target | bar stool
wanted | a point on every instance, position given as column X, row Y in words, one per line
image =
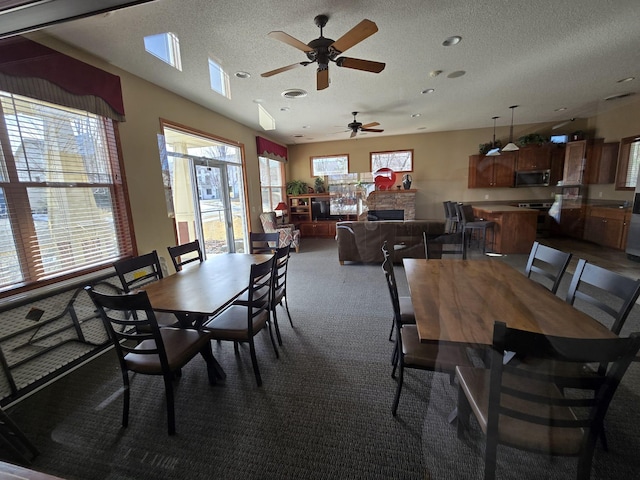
column 471, row 224
column 454, row 216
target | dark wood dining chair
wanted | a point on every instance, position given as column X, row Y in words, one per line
column 527, row 410
column 279, row 286
column 410, row 352
column 407, row 314
column 470, row 224
column 547, row 264
column 244, row 319
column 139, row 271
column 145, row 348
column 185, row 254
column 263, row 242
column 437, row 244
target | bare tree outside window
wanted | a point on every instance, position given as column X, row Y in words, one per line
column 329, row 165
column 398, row 161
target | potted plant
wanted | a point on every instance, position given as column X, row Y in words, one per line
column 297, row 187
column 319, row 185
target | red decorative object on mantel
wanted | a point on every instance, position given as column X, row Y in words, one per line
column 384, row 178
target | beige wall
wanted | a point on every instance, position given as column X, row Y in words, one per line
column 440, row 159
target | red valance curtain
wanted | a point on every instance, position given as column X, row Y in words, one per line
column 31, row 69
column 269, row 149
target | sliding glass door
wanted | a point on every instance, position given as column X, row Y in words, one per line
column 205, row 191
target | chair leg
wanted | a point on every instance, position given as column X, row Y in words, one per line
column 126, row 397
column 171, row 414
column 396, row 400
column 463, row 412
column 395, row 359
column 286, row 305
column 273, row 342
column 391, row 331
column 275, row 324
column 254, row 361
column 490, row 453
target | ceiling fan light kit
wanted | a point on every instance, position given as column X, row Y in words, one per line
column 324, row 50
column 511, row 147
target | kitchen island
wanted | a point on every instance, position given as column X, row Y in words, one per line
column 514, row 230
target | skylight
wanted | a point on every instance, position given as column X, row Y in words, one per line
column 166, row 47
column 219, row 79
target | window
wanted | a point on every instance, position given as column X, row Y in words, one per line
column 398, row 161
column 628, row 163
column 219, row 79
column 166, row 47
column 271, row 184
column 330, row 165
column 62, row 208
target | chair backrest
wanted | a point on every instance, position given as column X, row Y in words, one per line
column 130, row 321
column 621, row 292
column 533, row 396
column 185, row 253
column 269, row 221
column 548, row 262
column 280, row 274
column 387, row 267
column 439, row 244
column 465, row 213
column 138, row 271
column 263, row 242
column 260, row 291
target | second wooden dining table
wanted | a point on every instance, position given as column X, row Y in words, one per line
column 458, row 301
column 202, row 290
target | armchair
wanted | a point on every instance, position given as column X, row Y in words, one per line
column 289, row 235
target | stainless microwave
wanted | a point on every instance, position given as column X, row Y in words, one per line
column 537, row 178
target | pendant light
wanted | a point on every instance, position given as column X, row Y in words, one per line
column 494, row 151
column 511, row 147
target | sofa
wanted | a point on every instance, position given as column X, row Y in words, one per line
column 361, row 241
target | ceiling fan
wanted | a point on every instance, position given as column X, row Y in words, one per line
column 356, row 126
column 324, row 50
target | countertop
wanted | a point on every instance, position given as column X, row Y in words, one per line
column 497, row 208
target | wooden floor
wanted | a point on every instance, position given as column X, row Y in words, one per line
column 615, row 260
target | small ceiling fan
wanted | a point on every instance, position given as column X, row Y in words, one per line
column 324, row 50
column 356, row 126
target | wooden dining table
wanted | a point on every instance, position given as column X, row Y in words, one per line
column 202, row 290
column 458, row 301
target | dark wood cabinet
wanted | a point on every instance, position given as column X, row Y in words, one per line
column 606, row 226
column 321, row 228
column 534, row 157
column 583, row 163
column 557, row 164
column 569, row 223
column 603, row 163
column 301, row 214
column 491, row 172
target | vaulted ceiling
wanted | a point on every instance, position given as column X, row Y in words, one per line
column 542, row 55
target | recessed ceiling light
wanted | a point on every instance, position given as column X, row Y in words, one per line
column 306, row 126
column 258, row 100
column 422, row 128
column 414, row 115
column 284, row 109
column 428, row 90
column 294, row 93
column 243, row 74
column 457, row 74
column 434, row 73
column 625, row 80
column 561, row 109
column 299, row 136
column 619, row 95
column 452, row 41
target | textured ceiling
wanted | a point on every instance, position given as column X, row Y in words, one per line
column 539, row 54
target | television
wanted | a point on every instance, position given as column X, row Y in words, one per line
column 559, row 138
column 320, row 209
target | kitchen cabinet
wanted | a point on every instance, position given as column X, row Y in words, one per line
column 603, row 163
column 570, row 223
column 514, row 229
column 492, row 172
column 607, row 226
column 557, row 164
column 533, row 157
column 580, row 159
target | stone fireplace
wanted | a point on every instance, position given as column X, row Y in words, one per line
column 380, row 200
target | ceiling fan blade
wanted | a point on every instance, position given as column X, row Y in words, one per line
column 372, row 124
column 359, row 64
column 284, row 69
column 289, row 40
column 364, row 29
column 353, row 133
column 371, row 130
column 323, row 78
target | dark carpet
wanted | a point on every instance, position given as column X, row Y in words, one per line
column 323, row 412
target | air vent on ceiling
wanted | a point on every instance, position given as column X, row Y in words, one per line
column 619, row 95
column 294, row 93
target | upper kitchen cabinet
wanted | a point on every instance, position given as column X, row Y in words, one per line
column 492, row 172
column 605, row 160
column 534, row 157
column 582, row 162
